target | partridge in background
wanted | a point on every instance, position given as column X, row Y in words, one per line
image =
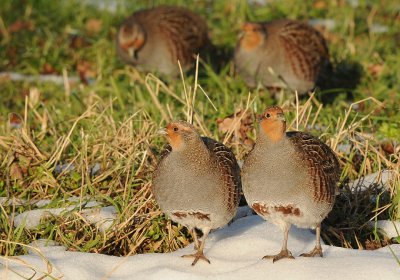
column 155, row 39
column 290, row 178
column 281, row 53
column 196, row 182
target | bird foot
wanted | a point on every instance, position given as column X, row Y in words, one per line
column 317, row 251
column 284, row 254
column 197, row 256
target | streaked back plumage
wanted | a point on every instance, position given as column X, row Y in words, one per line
column 172, row 34
column 295, row 52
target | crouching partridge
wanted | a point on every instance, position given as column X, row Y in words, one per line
column 196, row 182
column 155, row 39
column 281, row 53
column 290, row 178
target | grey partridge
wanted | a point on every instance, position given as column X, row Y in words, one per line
column 281, row 53
column 196, row 182
column 290, row 178
column 155, row 39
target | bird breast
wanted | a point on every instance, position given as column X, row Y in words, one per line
column 275, row 173
column 192, row 181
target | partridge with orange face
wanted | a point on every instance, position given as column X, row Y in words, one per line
column 196, row 182
column 155, row 39
column 290, row 178
column 281, row 53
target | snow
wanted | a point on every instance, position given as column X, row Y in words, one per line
column 102, row 218
column 390, row 228
column 56, row 79
column 381, row 178
column 235, row 253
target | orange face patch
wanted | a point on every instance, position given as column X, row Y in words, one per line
column 135, row 44
column 252, row 36
column 174, row 138
column 273, row 123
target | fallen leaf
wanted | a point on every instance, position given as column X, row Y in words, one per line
column 78, row 41
column 240, row 123
column 24, row 163
column 93, row 26
column 374, row 244
column 388, row 147
column 15, row 171
column 85, row 71
column 20, row 25
column 15, row 120
column 319, row 5
column 11, row 54
column 375, row 70
column 48, row 69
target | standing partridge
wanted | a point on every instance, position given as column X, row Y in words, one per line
column 196, row 182
column 281, row 53
column 155, row 39
column 290, row 178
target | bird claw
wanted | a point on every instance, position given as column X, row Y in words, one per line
column 317, row 251
column 284, row 254
column 197, row 256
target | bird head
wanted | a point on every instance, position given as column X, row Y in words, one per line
column 252, row 35
column 131, row 38
column 273, row 123
column 179, row 134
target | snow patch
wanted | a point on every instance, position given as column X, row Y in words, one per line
column 390, row 228
column 380, row 178
column 235, row 252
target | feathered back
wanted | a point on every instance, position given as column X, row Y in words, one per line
column 185, row 32
column 305, row 46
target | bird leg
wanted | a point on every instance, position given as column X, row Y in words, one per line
column 284, row 253
column 317, row 251
column 197, row 242
column 199, row 253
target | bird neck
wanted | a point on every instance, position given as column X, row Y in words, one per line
column 193, row 149
column 273, row 131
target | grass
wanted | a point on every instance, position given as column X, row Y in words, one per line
column 109, row 118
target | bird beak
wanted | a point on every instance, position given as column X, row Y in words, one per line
column 162, row 131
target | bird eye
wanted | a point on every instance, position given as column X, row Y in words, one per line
column 267, row 115
column 175, row 129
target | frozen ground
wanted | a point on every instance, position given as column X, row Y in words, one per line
column 235, row 253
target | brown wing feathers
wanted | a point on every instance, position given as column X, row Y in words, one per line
column 229, row 168
column 322, row 164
